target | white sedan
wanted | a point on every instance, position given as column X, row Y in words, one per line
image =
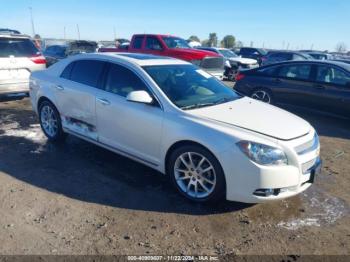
column 172, row 116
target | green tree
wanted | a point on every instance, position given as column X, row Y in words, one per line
column 194, row 38
column 228, row 41
column 205, row 43
column 213, row 40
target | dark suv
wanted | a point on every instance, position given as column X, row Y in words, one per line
column 254, row 53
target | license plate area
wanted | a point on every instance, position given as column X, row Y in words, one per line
column 9, row 74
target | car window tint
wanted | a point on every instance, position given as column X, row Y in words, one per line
column 332, row 75
column 153, row 43
column 87, row 72
column 122, row 81
column 67, row 71
column 296, row 71
column 268, row 71
column 17, row 47
column 137, row 43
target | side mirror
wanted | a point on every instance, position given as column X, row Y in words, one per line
column 139, row 97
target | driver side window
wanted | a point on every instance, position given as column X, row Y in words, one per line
column 121, row 81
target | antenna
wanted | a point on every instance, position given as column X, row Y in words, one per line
column 78, row 32
column 31, row 19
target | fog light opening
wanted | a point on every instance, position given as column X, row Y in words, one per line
column 267, row 192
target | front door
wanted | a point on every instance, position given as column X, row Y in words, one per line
column 132, row 128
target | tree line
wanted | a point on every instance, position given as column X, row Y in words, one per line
column 229, row 41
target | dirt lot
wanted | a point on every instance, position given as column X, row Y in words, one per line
column 80, row 199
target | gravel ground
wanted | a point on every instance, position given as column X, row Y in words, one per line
column 80, row 199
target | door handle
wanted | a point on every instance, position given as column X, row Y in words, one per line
column 103, row 101
column 59, row 87
column 319, row 86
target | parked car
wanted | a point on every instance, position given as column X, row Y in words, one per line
column 253, row 53
column 318, row 55
column 281, row 56
column 18, row 58
column 234, row 63
column 324, row 86
column 176, row 47
column 57, row 52
column 176, row 118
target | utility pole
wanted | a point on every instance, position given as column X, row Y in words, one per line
column 78, row 32
column 64, row 33
column 312, row 47
column 32, row 21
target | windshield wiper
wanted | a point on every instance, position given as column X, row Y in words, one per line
column 199, row 105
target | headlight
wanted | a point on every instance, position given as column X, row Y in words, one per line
column 196, row 62
column 263, row 154
column 227, row 63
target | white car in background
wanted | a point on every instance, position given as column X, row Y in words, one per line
column 172, row 116
column 234, row 63
column 18, row 58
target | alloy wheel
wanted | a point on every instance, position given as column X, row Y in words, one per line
column 49, row 121
column 195, row 175
column 262, row 95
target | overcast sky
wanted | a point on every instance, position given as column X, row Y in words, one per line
column 272, row 23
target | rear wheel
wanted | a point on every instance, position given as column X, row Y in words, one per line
column 262, row 95
column 50, row 122
column 197, row 174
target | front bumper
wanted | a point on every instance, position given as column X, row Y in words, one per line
column 245, row 178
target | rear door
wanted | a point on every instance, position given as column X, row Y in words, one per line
column 75, row 96
column 333, row 85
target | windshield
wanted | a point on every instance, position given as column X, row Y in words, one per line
column 262, row 51
column 227, row 53
column 189, row 87
column 175, row 42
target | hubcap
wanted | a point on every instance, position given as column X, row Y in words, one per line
column 195, row 175
column 262, row 95
column 49, row 121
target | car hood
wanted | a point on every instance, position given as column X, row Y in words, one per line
column 246, row 61
column 258, row 117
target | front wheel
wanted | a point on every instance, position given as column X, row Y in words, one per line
column 197, row 174
column 50, row 122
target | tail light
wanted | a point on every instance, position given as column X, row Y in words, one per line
column 38, row 59
column 239, row 76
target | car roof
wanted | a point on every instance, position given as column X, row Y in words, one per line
column 319, row 62
column 135, row 58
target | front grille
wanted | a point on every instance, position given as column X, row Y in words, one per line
column 309, row 146
column 213, row 63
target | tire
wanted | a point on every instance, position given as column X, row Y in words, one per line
column 262, row 95
column 50, row 122
column 205, row 174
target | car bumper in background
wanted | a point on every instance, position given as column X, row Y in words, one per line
column 13, row 88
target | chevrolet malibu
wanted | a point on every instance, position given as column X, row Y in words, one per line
column 176, row 118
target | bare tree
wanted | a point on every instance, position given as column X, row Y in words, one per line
column 341, row 47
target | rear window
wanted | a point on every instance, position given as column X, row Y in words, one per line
column 87, row 72
column 17, row 47
column 137, row 43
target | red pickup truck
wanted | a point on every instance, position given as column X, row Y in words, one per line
column 172, row 46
